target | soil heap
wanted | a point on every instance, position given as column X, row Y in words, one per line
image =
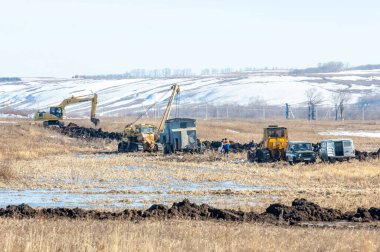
column 301, row 210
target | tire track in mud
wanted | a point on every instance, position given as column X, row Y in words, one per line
column 299, row 212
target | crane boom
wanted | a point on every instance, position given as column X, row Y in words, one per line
column 165, row 116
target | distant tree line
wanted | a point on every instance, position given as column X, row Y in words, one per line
column 9, row 79
column 143, row 73
column 171, row 73
column 365, row 67
column 329, row 67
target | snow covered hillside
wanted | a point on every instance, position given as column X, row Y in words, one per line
column 117, row 95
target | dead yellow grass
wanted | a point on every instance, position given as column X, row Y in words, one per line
column 64, row 235
column 20, row 140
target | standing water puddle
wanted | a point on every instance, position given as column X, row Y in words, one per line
column 134, row 193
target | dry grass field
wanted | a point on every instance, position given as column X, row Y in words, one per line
column 32, row 158
column 59, row 235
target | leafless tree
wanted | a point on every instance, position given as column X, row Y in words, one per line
column 314, row 98
column 340, row 98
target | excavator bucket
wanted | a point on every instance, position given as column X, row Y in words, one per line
column 95, row 121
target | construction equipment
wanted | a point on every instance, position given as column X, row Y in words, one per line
column 144, row 137
column 55, row 115
column 272, row 147
column 180, row 134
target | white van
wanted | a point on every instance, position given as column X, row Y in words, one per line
column 336, row 149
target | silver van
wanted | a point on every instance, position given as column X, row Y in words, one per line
column 336, row 149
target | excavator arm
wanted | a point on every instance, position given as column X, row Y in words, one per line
column 165, row 116
column 78, row 99
column 55, row 114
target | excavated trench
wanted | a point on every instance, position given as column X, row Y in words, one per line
column 301, row 210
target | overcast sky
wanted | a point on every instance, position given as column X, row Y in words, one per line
column 67, row 37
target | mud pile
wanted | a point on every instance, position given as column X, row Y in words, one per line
column 364, row 155
column 300, row 210
column 234, row 146
column 73, row 130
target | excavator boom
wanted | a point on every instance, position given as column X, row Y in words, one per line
column 56, row 113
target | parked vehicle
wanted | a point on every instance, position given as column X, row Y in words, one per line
column 299, row 152
column 336, row 149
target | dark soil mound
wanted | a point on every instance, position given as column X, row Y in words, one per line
column 364, row 155
column 73, row 130
column 303, row 210
column 300, row 211
column 234, row 146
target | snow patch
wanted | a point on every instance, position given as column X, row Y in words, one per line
column 369, row 134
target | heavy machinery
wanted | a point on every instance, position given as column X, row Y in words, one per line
column 144, row 137
column 55, row 114
column 272, row 147
column 180, row 134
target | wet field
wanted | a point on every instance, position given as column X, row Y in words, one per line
column 129, row 188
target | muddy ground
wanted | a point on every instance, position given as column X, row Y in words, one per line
column 300, row 211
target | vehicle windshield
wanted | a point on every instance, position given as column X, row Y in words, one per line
column 301, row 146
column 57, row 111
column 147, row 130
column 274, row 133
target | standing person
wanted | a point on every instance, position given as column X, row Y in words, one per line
column 221, row 148
column 226, row 145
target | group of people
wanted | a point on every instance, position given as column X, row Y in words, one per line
column 225, row 148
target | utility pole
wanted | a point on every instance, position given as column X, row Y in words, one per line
column 264, row 112
column 363, row 111
column 286, row 111
column 206, row 112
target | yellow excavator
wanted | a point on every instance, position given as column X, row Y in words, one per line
column 55, row 114
column 144, row 137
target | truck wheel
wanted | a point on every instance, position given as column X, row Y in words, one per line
column 250, row 156
column 122, row 147
column 158, row 147
column 260, row 156
column 290, row 161
column 332, row 160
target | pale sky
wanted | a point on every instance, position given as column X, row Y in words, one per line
column 66, row 37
